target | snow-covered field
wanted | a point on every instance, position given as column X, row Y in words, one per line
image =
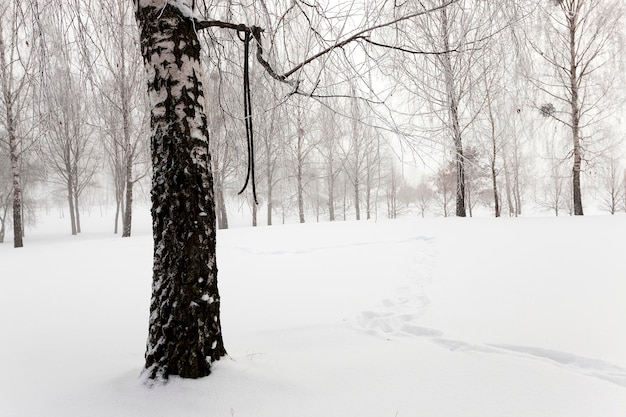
column 438, row 317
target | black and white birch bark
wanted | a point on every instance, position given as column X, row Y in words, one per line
column 185, row 334
column 453, row 111
column 8, row 98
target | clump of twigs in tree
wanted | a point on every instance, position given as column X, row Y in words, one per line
column 547, row 110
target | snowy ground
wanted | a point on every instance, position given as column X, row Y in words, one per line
column 441, row 317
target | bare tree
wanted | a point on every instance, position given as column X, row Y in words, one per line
column 552, row 194
column 611, row 185
column 444, row 184
column 477, row 179
column 16, row 64
column 579, row 35
column 301, row 145
column 328, row 149
column 5, row 194
column 394, row 182
column 424, row 196
column 354, row 155
column 493, row 156
column 442, row 66
column 494, row 111
column 514, row 161
column 66, row 106
column 271, row 137
column 68, row 148
column 223, row 150
column 117, row 85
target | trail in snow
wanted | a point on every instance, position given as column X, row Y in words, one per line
column 399, row 316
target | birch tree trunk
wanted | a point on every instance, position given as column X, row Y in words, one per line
column 70, row 201
column 254, row 214
column 2, row 227
column 331, row 190
column 18, row 228
column 494, row 155
column 128, row 209
column 357, row 138
column 270, row 183
column 8, row 96
column 76, row 211
column 185, row 334
column 300, row 156
column 453, row 111
column 222, row 215
column 128, row 146
column 4, row 209
column 574, row 80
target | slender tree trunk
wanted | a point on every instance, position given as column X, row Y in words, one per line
column 221, row 210
column 18, row 224
column 460, row 176
column 496, row 196
column 220, row 202
column 624, row 189
column 270, row 208
column 282, row 212
column 453, row 111
column 270, row 182
column 254, row 214
column 299, row 174
column 76, row 211
column 517, row 193
column 345, row 200
column 468, row 199
column 507, row 185
column 2, row 229
column 575, row 115
column 119, row 189
column 129, row 151
column 221, row 206
column 128, row 213
column 70, row 200
column 117, row 215
column 494, row 156
column 392, row 196
column 357, row 207
column 121, row 200
column 357, row 137
column 3, row 219
column 331, row 190
column 184, row 335
column 300, row 195
column 368, row 192
column 357, row 170
column 317, row 202
column 6, row 75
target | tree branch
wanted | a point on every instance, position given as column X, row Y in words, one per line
column 360, row 35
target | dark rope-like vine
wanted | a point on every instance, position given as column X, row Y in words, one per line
column 247, row 107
